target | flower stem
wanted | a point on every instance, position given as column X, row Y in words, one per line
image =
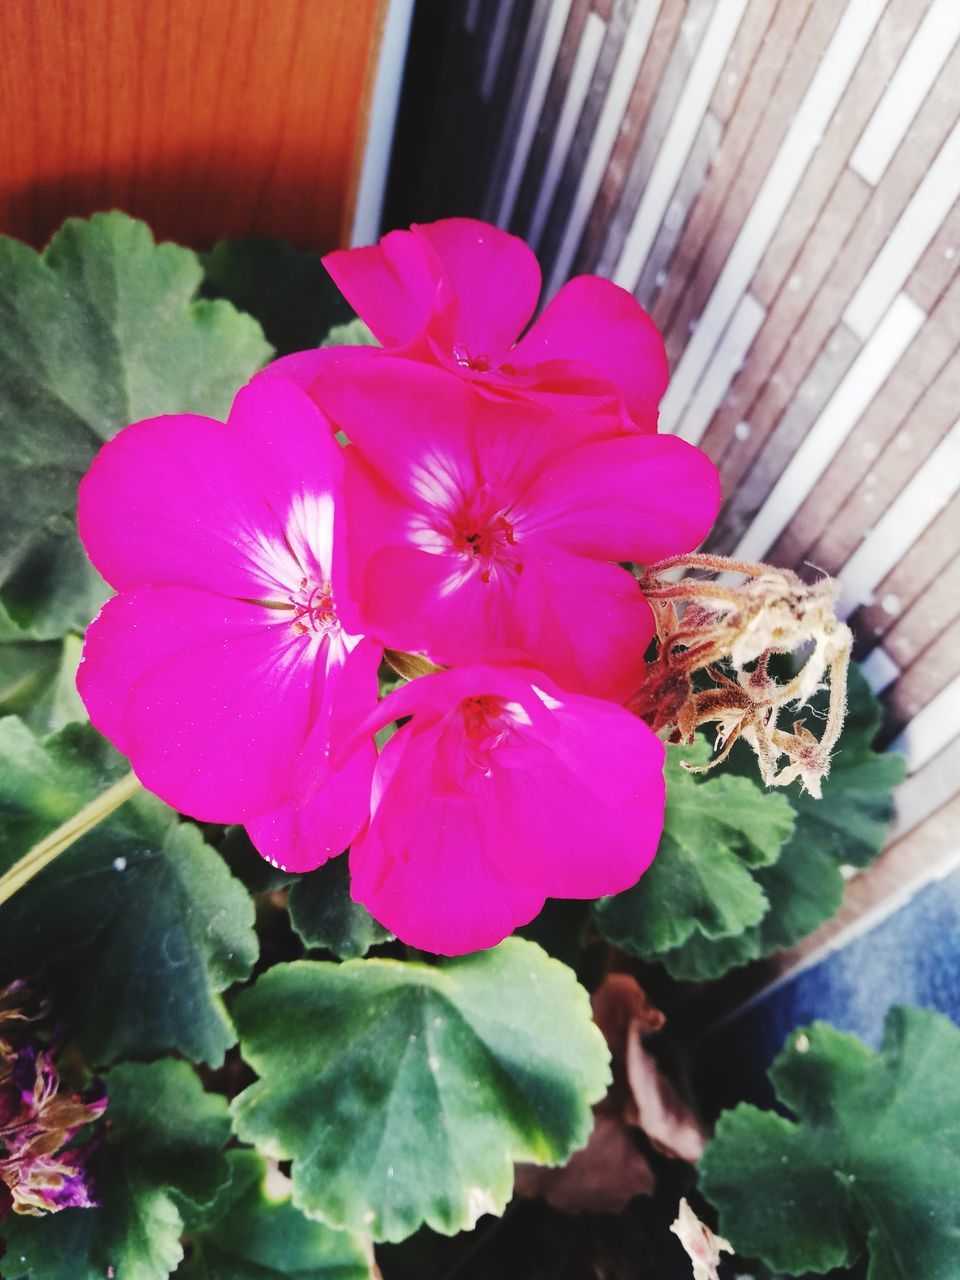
column 51, row 846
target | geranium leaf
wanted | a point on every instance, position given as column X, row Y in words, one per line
column 850, row 822
column 38, row 682
column 99, row 330
column 872, row 1161
column 716, row 830
column 163, row 1152
column 139, row 925
column 352, row 334
column 251, row 1232
column 846, row 827
column 324, row 914
column 288, row 290
column 403, row 1092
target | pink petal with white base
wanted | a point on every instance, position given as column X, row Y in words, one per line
column 485, row 804
column 209, row 697
column 224, row 662
column 461, row 548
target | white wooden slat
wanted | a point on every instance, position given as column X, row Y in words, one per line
column 840, row 415
column 539, row 83
column 927, row 790
column 783, row 177
column 931, row 729
column 911, row 512
column 368, row 211
column 916, row 72
column 689, row 185
column 919, row 222
column 615, row 102
column 675, row 147
column 723, row 368
column 578, row 85
column 879, row 669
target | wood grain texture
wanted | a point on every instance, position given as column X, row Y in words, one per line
column 206, row 118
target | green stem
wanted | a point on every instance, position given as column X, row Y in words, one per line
column 51, row 846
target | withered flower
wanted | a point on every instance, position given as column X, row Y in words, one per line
column 715, row 638
column 40, row 1172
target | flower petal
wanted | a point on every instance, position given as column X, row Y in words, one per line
column 597, row 323
column 350, row 693
column 189, row 500
column 412, row 422
column 584, row 623
column 303, row 835
column 210, row 698
column 636, row 498
column 289, row 446
column 494, row 275
column 395, row 287
column 172, row 500
column 565, row 798
column 424, row 867
column 303, row 368
column 587, row 809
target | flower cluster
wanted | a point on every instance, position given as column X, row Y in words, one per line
column 40, row 1171
column 479, row 515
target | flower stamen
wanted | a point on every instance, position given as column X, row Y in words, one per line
column 314, row 609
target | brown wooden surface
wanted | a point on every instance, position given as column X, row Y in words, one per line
column 209, row 118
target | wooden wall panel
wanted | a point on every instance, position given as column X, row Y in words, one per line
column 803, row 157
column 209, row 118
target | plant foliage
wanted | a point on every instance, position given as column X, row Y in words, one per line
column 871, row 1162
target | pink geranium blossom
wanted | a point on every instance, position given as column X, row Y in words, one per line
column 487, row 532
column 459, row 293
column 501, row 791
column 222, row 666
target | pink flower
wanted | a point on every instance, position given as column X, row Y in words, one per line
column 485, row 532
column 222, row 667
column 459, row 293
column 500, row 792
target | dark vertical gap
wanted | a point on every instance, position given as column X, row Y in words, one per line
column 447, row 136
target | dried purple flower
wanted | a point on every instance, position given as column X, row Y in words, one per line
column 40, row 1172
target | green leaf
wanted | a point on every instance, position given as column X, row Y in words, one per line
column 353, row 334
column 38, row 681
column 98, row 331
column 872, row 1162
column 403, row 1092
column 716, row 830
column 850, row 823
column 288, row 290
column 324, row 914
column 846, row 827
column 139, row 924
column 163, row 1153
column 251, row 1232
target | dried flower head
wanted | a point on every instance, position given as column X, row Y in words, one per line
column 40, row 1172
column 715, row 638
